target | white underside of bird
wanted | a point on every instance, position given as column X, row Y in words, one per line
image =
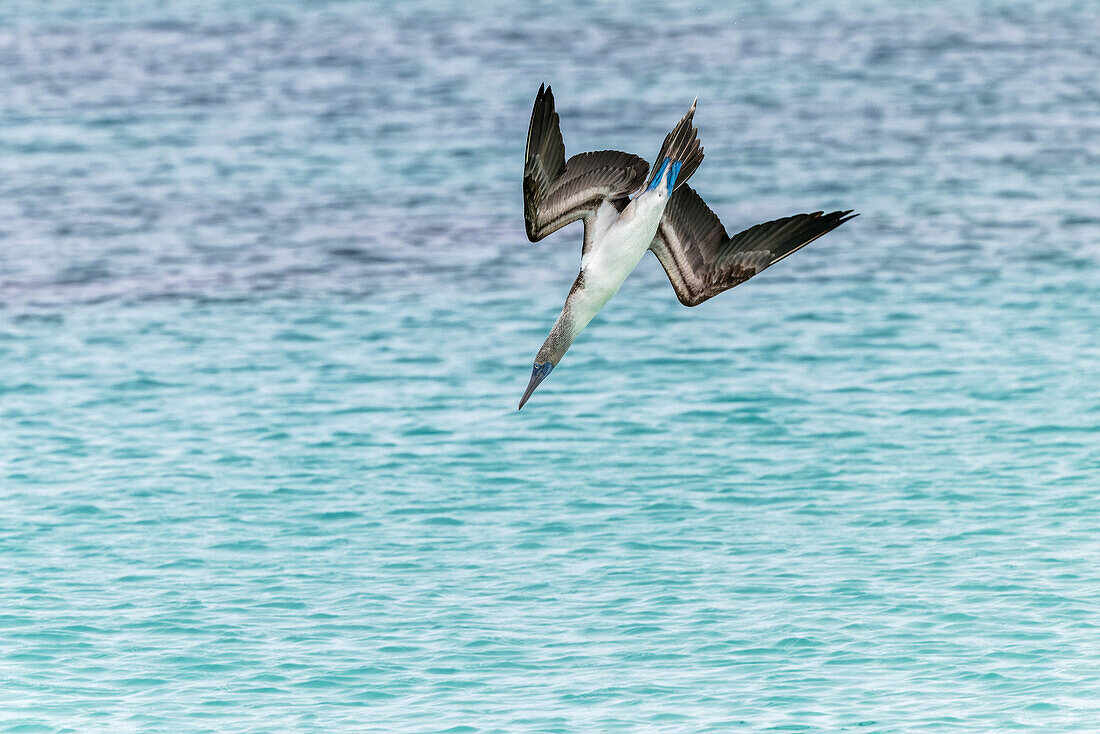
column 618, row 243
column 667, row 217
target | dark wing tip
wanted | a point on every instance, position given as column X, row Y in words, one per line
column 839, row 217
column 835, row 219
column 822, row 224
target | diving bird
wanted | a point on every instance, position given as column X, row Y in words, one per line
column 667, row 217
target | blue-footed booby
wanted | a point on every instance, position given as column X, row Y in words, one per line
column 667, row 217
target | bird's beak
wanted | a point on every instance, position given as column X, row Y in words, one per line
column 538, row 374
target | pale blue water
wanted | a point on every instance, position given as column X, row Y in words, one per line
column 267, row 307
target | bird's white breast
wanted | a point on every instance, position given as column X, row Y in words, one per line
column 619, row 245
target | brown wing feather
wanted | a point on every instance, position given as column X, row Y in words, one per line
column 701, row 261
column 557, row 192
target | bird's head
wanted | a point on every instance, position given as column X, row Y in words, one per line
column 538, row 373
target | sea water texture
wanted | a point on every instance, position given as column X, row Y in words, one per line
column 267, row 308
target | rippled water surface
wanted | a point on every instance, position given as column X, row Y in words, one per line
column 267, row 307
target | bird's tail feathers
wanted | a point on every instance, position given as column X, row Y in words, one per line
column 681, row 150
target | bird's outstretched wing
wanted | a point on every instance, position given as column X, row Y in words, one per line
column 702, row 261
column 557, row 192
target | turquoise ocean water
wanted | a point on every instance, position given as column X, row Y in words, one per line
column 267, row 308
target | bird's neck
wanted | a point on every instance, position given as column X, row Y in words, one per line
column 578, row 311
column 559, row 339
